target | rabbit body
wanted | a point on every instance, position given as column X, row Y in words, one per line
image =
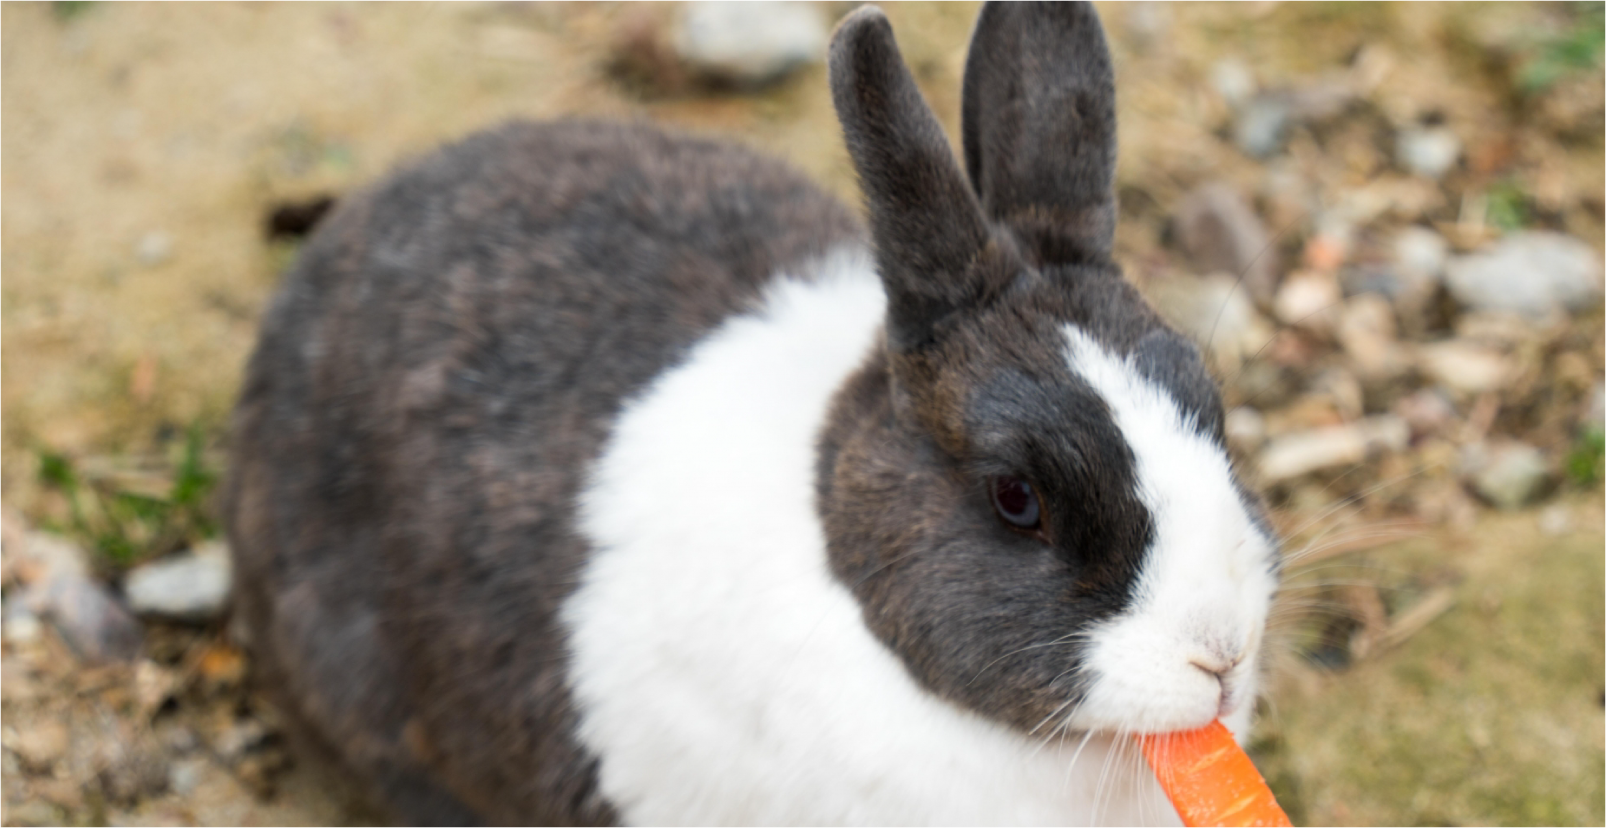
column 586, row 473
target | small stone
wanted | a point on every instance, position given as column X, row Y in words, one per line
column 1147, row 24
column 1216, row 312
column 49, row 555
column 88, row 618
column 153, row 249
column 1420, row 254
column 1556, row 520
column 1246, row 429
column 1219, row 231
column 1300, row 453
column 192, row 586
column 1595, row 414
column 1310, row 300
column 1502, row 331
column 1535, row 273
column 1233, row 80
column 1427, row 151
column 238, row 738
column 1463, row 367
column 1510, row 475
column 1426, row 411
column 180, row 739
column 185, row 775
column 1366, row 329
column 21, row 625
column 42, row 743
column 153, row 685
column 1260, row 125
column 749, row 44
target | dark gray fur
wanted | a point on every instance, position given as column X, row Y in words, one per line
column 447, row 358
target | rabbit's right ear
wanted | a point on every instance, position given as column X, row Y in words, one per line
column 1038, row 126
column 927, row 226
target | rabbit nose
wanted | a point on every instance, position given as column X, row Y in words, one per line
column 1216, row 665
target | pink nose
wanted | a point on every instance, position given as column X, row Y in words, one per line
column 1214, row 664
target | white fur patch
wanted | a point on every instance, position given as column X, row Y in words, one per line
column 722, row 675
column 1205, row 587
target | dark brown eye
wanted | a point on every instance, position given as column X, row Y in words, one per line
column 1015, row 502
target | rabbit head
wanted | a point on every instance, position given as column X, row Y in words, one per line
column 1026, row 487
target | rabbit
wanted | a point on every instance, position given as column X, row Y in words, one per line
column 587, row 473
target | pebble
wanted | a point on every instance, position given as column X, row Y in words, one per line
column 1508, row 475
column 1310, row 300
column 1234, row 81
column 1535, row 273
column 190, row 586
column 1367, row 332
column 1595, row 415
column 1246, row 429
column 1426, row 411
column 1147, row 24
column 1419, row 255
column 22, row 626
column 43, row 555
column 185, row 775
column 1464, row 367
column 42, row 743
column 1260, row 125
column 1216, row 312
column 749, row 44
column 153, row 685
column 1427, row 151
column 92, row 622
column 1219, row 231
column 1556, row 520
column 1300, row 453
column 238, row 738
column 153, row 249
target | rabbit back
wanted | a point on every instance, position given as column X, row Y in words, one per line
column 432, row 381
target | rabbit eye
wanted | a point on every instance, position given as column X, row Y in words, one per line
column 1015, row 502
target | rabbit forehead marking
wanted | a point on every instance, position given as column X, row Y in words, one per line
column 720, row 672
column 1205, row 581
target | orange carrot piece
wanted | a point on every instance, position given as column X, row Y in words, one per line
column 1209, row 779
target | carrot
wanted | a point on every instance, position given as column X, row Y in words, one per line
column 1209, row 779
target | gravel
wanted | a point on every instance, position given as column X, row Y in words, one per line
column 1535, row 273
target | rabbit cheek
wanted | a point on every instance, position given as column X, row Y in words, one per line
column 1184, row 651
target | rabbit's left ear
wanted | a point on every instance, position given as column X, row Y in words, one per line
column 1038, row 124
column 927, row 226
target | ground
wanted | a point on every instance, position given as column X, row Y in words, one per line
column 146, row 145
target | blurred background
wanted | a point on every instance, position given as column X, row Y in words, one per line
column 1384, row 222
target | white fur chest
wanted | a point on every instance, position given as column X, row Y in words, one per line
column 722, row 675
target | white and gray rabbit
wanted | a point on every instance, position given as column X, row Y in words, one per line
column 587, row 473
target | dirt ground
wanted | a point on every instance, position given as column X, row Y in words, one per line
column 145, row 145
